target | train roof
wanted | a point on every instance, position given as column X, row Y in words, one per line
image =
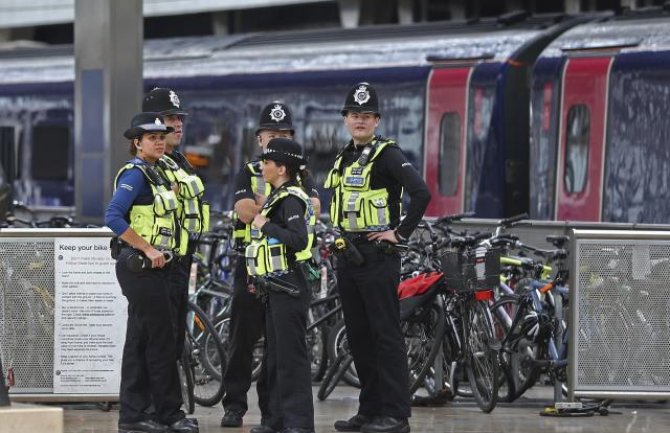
column 640, row 32
column 281, row 52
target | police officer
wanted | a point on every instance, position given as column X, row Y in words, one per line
column 192, row 211
column 142, row 215
column 247, row 312
column 366, row 183
column 280, row 243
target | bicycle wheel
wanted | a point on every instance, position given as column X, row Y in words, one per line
column 337, row 342
column 516, row 358
column 317, row 351
column 481, row 356
column 423, row 338
column 334, row 374
column 186, row 383
column 207, row 358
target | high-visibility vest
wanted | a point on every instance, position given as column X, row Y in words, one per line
column 192, row 211
column 268, row 256
column 354, row 205
column 242, row 232
column 156, row 221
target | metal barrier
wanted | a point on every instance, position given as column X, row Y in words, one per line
column 619, row 314
column 58, row 307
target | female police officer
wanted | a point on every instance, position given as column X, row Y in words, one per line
column 141, row 214
column 279, row 243
column 367, row 183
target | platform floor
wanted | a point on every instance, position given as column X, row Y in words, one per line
column 460, row 416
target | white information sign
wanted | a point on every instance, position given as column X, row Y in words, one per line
column 90, row 318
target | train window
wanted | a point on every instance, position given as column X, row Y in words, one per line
column 577, row 133
column 51, row 152
column 450, row 154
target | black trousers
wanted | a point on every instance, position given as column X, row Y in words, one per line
column 179, row 273
column 148, row 369
column 288, row 367
column 247, row 325
column 372, row 318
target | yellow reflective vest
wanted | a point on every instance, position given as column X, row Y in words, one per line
column 268, row 256
column 354, row 205
column 155, row 222
column 192, row 212
column 242, row 232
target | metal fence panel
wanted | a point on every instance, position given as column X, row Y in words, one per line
column 620, row 318
column 27, row 305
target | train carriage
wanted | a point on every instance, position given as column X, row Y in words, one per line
column 600, row 130
column 454, row 94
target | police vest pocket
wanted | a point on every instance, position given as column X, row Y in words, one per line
column 190, row 187
column 254, row 256
column 376, row 212
column 164, row 203
column 352, row 215
column 190, row 215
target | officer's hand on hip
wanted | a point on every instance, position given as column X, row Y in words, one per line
column 387, row 235
column 157, row 258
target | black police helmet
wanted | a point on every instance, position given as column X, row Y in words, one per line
column 362, row 98
column 143, row 123
column 163, row 101
column 286, row 151
column 277, row 117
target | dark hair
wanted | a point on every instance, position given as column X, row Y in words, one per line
column 132, row 149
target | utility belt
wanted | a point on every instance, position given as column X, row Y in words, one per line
column 136, row 261
column 353, row 247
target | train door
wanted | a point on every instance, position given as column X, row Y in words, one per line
column 581, row 141
column 446, row 129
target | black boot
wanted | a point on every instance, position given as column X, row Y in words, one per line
column 386, row 424
column 262, row 429
column 185, row 425
column 232, row 418
column 148, row 426
column 352, row 424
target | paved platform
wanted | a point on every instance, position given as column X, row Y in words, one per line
column 460, row 416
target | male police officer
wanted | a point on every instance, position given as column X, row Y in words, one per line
column 247, row 322
column 366, row 182
column 192, row 212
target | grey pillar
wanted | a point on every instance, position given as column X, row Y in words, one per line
column 632, row 4
column 350, row 13
column 108, row 38
column 572, row 6
column 405, row 11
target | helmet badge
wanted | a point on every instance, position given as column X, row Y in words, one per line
column 361, row 95
column 158, row 122
column 277, row 114
column 174, row 98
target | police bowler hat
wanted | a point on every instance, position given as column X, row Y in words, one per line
column 163, row 101
column 362, row 98
column 284, row 150
column 276, row 117
column 143, row 123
